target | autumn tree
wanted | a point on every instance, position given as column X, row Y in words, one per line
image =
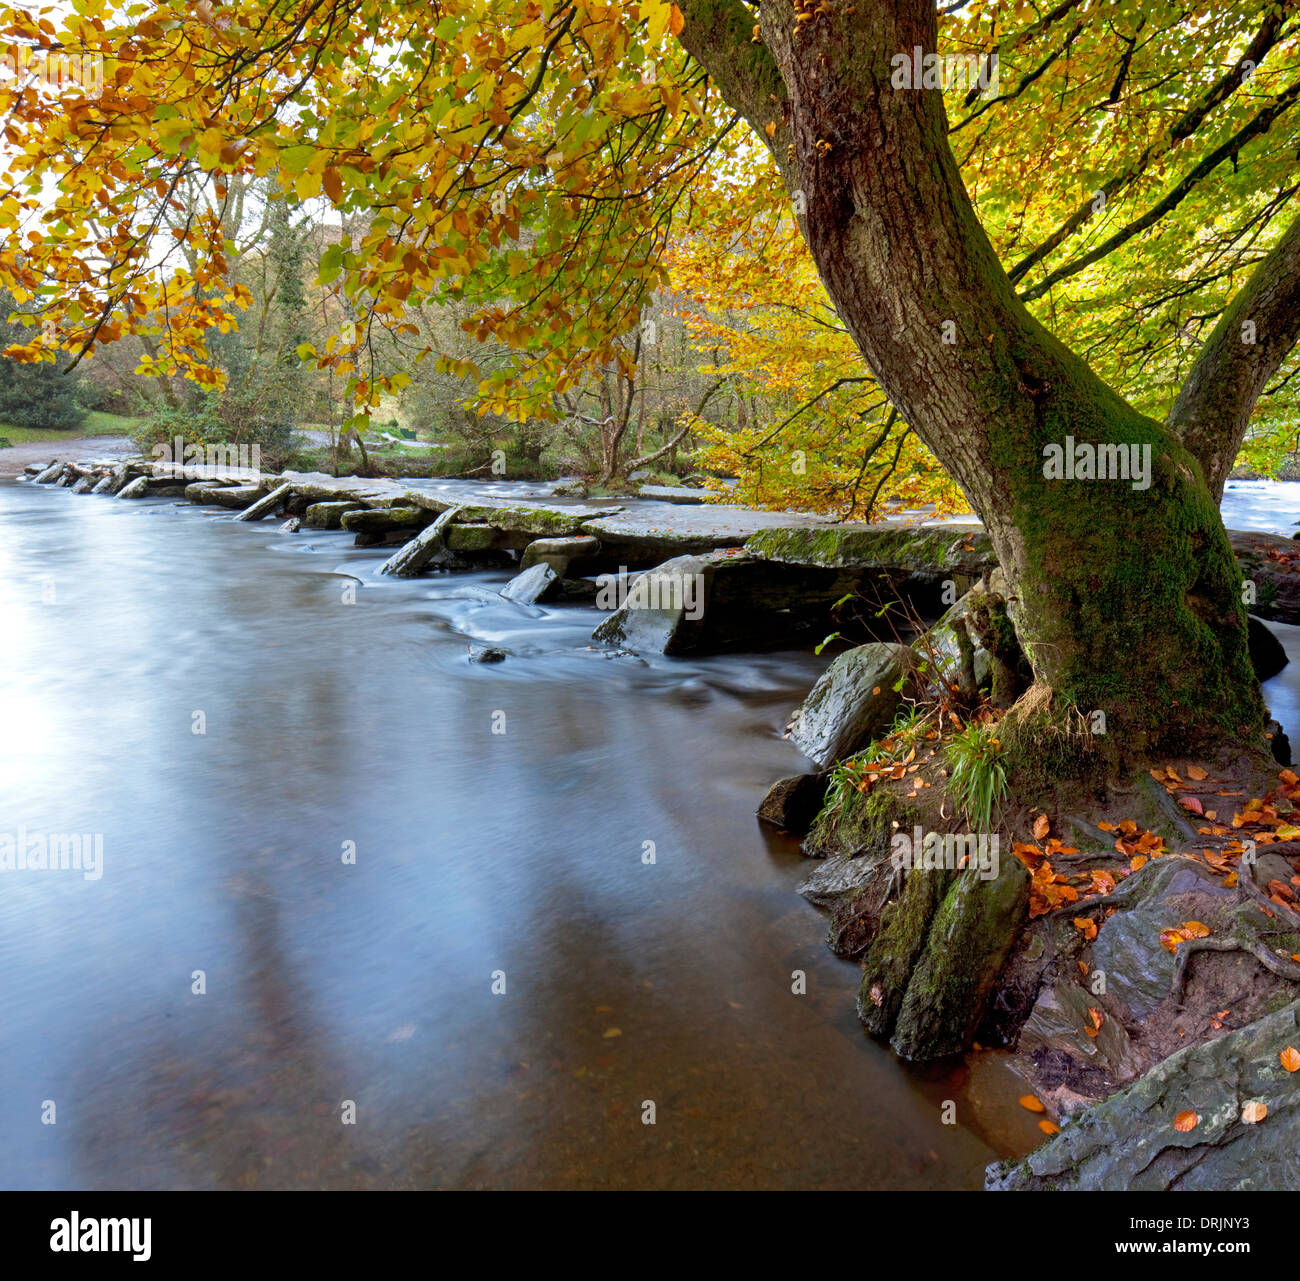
column 1072, row 250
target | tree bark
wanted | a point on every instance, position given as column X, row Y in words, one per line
column 1126, row 600
column 1255, row 334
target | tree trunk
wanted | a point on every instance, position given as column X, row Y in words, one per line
column 1127, row 600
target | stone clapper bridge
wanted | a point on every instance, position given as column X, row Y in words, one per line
column 754, row 579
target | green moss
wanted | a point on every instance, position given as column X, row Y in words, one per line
column 863, row 824
column 550, row 521
column 937, row 550
column 471, row 538
column 895, row 949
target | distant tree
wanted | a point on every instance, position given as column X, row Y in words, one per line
column 36, row 395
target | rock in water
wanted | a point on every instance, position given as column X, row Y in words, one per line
column 1267, row 656
column 1129, row 1143
column 969, row 939
column 533, row 585
column 792, row 803
column 328, row 515
column 854, row 702
column 138, row 488
column 410, row 561
column 486, row 654
column 266, row 505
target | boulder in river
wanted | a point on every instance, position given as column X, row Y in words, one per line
column 969, row 938
column 535, row 584
column 854, row 702
column 266, row 505
column 383, row 520
column 328, row 515
column 1267, row 655
column 560, row 553
column 138, row 488
column 415, row 556
column 792, row 803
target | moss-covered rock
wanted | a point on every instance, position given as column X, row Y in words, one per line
column 328, row 515
column 944, row 549
column 969, row 939
column 896, row 949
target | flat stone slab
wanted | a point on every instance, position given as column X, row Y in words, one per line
column 944, row 548
column 678, row 494
column 684, row 530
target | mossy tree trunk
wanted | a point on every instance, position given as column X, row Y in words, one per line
column 1127, row 600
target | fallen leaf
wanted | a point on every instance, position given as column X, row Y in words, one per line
column 611, row 1032
column 1196, row 772
column 1195, row 930
column 1031, row 1104
column 1186, row 1121
column 1191, row 803
column 1048, row 1127
column 1253, row 1113
column 1042, row 825
column 1086, row 927
column 1290, row 1059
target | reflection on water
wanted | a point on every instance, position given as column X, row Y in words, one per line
column 126, row 625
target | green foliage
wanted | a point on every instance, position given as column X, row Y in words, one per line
column 221, row 418
column 36, row 394
column 977, row 773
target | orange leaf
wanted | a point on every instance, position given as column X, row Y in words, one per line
column 1288, row 776
column 1186, row 1121
column 1254, row 1113
column 1137, row 862
column 1048, row 1127
column 1086, row 927
column 1042, row 826
column 1030, row 1103
column 675, row 20
column 1196, row 772
column 1290, row 1059
column 1195, row 930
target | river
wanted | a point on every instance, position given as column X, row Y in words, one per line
column 233, row 1003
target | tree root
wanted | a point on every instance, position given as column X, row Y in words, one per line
column 1282, row 966
column 1256, row 893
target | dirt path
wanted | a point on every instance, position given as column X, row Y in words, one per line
column 16, row 457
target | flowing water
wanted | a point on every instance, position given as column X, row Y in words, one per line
column 201, row 1008
column 519, row 854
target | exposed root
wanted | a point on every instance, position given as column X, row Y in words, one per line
column 1282, row 966
column 1246, row 879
